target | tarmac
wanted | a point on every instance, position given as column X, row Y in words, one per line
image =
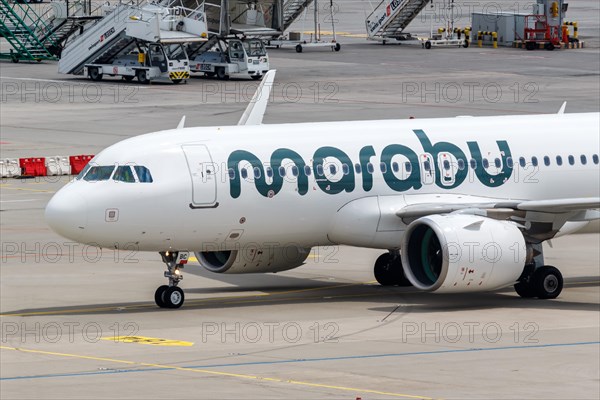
column 80, row 323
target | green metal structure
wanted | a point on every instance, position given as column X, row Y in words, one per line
column 30, row 37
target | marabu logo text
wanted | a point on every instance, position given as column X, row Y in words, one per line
column 401, row 167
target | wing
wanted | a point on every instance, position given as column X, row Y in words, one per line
column 539, row 219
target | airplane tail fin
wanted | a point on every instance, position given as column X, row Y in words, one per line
column 254, row 113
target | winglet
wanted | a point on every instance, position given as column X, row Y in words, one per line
column 253, row 115
column 181, row 123
column 562, row 108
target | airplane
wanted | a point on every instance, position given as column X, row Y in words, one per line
column 458, row 204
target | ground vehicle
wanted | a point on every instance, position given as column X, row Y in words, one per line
column 154, row 62
column 233, row 58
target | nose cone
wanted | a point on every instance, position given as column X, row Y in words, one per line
column 66, row 213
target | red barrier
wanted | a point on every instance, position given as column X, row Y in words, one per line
column 78, row 163
column 33, row 166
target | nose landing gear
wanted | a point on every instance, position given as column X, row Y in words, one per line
column 171, row 295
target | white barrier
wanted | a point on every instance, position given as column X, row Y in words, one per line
column 58, row 165
column 9, row 167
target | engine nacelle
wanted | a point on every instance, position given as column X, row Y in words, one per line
column 253, row 259
column 462, row 253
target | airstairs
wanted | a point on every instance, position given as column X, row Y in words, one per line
column 250, row 18
column 194, row 49
column 65, row 19
column 234, row 18
column 210, row 11
column 389, row 19
column 127, row 26
column 20, row 25
column 292, row 9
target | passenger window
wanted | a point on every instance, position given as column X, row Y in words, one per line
column 345, row 169
column 244, row 173
column 382, row 167
column 357, row 168
column 571, row 160
column 583, row 159
column 509, row 162
column 257, row 173
column 395, row 167
column 307, row 170
column 320, row 169
column 370, row 168
column 486, row 163
column 332, row 169
column 497, row 163
column 546, row 161
column 143, row 174
column 295, row 171
column 447, row 165
column 124, row 174
column 231, row 173
column 269, row 172
column 461, row 164
column 473, row 163
column 534, row 161
column 427, row 166
column 595, row 159
column 408, row 167
column 522, row 162
column 99, row 173
column 558, row 160
column 282, row 171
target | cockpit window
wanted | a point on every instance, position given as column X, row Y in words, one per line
column 99, row 173
column 124, row 174
column 143, row 174
column 83, row 171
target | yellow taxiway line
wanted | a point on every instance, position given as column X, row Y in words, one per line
column 25, row 189
column 218, row 373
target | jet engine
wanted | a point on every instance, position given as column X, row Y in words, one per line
column 253, row 259
column 462, row 253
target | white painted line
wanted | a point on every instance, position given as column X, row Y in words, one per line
column 67, row 81
column 18, row 201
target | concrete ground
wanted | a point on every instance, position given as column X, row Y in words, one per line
column 324, row 330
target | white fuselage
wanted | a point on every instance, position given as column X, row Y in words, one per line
column 193, row 203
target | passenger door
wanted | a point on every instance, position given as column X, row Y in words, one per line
column 203, row 175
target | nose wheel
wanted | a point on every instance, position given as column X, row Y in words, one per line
column 171, row 295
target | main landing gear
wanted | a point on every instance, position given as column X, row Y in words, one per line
column 539, row 280
column 545, row 282
column 388, row 270
column 171, row 295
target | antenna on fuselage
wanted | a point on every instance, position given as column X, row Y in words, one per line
column 562, row 108
column 181, row 124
